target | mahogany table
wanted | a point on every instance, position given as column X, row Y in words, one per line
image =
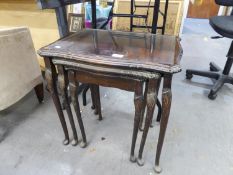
column 123, row 60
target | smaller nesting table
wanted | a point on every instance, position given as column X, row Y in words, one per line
column 123, row 60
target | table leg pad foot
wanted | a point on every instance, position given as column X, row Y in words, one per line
column 65, row 142
column 157, row 169
column 140, row 162
column 132, row 158
column 96, row 112
column 83, row 144
column 74, row 142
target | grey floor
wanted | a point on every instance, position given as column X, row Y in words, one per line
column 199, row 137
column 198, row 26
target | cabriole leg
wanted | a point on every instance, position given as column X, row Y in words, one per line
column 138, row 102
column 63, row 84
column 74, row 96
column 51, row 76
column 143, row 107
column 166, row 106
column 150, row 101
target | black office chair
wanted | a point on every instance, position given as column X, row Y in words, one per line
column 223, row 25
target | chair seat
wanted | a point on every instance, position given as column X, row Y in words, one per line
column 223, row 25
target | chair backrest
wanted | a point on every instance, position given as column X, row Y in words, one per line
column 224, row 2
column 52, row 4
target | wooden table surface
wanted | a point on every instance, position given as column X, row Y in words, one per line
column 141, row 51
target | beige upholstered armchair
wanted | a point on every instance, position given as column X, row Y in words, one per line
column 19, row 68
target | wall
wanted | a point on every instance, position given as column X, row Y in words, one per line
column 174, row 18
column 42, row 24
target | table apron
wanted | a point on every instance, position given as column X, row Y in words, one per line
column 108, row 80
column 143, row 74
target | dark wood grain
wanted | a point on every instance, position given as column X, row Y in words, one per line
column 119, row 49
column 138, row 100
column 166, row 106
column 74, row 95
column 51, row 77
column 120, row 60
column 63, row 84
column 150, row 102
column 110, row 77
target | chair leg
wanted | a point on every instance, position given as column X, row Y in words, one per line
column 229, row 80
column 191, row 72
column 84, row 95
column 214, row 67
column 217, row 86
column 92, row 97
column 222, row 76
column 159, row 110
column 98, row 104
column 215, row 73
column 94, row 101
column 39, row 89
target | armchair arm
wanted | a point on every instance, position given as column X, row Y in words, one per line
column 224, row 2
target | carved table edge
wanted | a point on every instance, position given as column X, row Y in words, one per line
column 103, row 61
column 119, row 71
